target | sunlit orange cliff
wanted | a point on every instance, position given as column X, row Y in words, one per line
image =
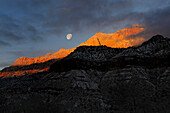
column 119, row 39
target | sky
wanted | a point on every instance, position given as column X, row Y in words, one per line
column 30, row 28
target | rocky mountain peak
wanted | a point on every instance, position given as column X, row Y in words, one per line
column 156, row 39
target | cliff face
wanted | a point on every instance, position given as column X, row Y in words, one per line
column 119, row 39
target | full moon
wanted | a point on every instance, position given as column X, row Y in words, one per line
column 69, row 36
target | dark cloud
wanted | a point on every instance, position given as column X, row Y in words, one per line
column 78, row 15
column 41, row 18
column 98, row 15
column 57, row 17
column 155, row 22
column 2, row 43
column 18, row 31
column 10, row 35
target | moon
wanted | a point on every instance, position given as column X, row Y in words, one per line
column 69, row 36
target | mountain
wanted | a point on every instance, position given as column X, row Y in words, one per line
column 119, row 39
column 114, row 40
column 96, row 79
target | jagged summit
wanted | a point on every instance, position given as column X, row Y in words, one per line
column 156, row 39
column 157, row 45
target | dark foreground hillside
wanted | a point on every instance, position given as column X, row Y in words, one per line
column 96, row 79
